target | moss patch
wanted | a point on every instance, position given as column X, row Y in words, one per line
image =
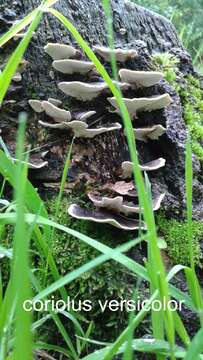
column 191, row 95
column 176, row 236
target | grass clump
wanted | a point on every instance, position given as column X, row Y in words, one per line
column 175, row 234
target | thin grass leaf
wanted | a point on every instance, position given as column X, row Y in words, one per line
column 19, row 26
column 32, row 199
column 14, row 60
column 58, row 203
column 1, row 291
column 20, row 263
column 195, row 292
column 151, row 346
column 189, row 186
column 196, row 347
column 70, row 347
column 40, row 345
column 128, row 353
column 22, row 24
column 180, row 329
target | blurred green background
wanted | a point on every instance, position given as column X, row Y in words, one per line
column 187, row 16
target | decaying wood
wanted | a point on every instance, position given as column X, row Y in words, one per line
column 99, row 159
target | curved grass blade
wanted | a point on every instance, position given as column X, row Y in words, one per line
column 196, row 347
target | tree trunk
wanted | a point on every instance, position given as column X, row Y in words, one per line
column 99, row 159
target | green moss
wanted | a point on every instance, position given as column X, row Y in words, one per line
column 166, row 63
column 191, row 96
column 176, row 235
column 193, row 112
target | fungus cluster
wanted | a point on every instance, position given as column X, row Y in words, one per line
column 116, row 203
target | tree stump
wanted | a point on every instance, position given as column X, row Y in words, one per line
column 98, row 160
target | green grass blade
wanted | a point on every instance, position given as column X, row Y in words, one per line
column 40, row 345
column 58, row 203
column 144, row 346
column 14, row 60
column 20, row 264
column 34, row 204
column 180, row 329
column 59, row 323
column 195, row 292
column 21, row 24
column 196, row 347
column 189, row 186
column 32, row 199
column 15, row 29
column 63, row 180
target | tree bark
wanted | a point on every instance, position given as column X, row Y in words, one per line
column 102, row 156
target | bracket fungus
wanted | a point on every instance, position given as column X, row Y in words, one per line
column 82, row 91
column 105, row 217
column 80, row 128
column 56, row 113
column 140, row 78
column 69, row 66
column 152, row 133
column 17, row 77
column 36, row 105
column 120, row 54
column 127, row 167
column 55, row 102
column 83, row 116
column 142, row 104
column 119, row 205
column 124, row 188
column 60, row 51
column 87, row 91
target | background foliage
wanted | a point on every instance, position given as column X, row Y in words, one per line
column 187, row 16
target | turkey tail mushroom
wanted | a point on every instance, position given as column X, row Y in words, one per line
column 55, row 102
column 80, row 128
column 60, row 51
column 82, row 91
column 142, row 104
column 127, row 167
column 56, row 113
column 36, row 105
column 120, row 54
column 152, row 133
column 140, row 78
column 105, row 217
column 123, row 188
column 73, row 66
column 119, row 205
